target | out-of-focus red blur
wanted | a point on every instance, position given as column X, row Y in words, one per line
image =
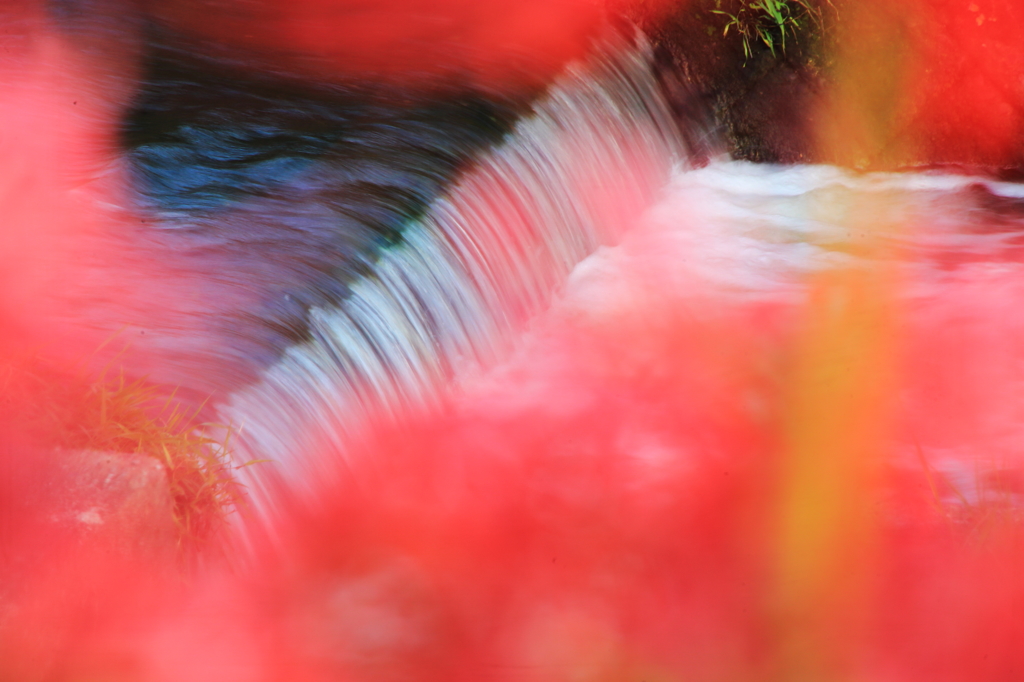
column 927, row 82
column 616, row 502
column 499, row 45
column 668, row 490
column 60, row 113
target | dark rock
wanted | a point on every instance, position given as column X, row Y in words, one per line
column 877, row 85
column 761, row 106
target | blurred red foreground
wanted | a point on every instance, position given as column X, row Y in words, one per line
column 675, row 489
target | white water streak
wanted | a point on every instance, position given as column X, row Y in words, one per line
column 490, row 253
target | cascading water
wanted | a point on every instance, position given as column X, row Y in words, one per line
column 571, row 175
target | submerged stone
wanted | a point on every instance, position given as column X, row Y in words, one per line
column 119, row 499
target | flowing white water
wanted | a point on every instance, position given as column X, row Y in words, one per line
column 734, row 236
column 570, row 177
column 573, row 178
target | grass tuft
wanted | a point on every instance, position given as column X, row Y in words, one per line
column 71, row 411
column 769, row 22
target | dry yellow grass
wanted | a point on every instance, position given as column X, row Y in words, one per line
column 76, row 412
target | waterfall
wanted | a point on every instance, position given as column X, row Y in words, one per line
column 585, row 163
